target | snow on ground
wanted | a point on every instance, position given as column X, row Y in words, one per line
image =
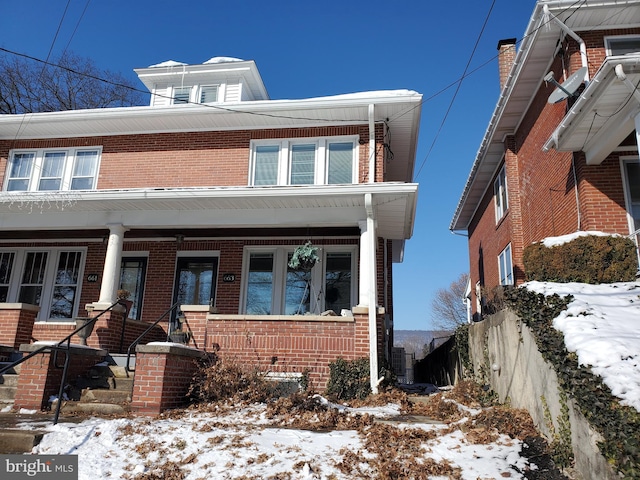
column 602, row 325
column 241, row 443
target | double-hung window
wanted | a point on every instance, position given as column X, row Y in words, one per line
column 52, row 170
column 505, row 266
column 48, row 278
column 273, row 288
column 319, row 161
column 500, row 194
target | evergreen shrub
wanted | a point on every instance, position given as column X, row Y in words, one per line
column 589, row 259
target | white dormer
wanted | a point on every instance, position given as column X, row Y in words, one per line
column 218, row 80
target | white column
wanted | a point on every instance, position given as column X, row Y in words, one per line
column 368, row 282
column 112, row 261
column 365, row 264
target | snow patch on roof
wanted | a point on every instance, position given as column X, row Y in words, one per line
column 223, row 60
column 168, row 63
column 561, row 240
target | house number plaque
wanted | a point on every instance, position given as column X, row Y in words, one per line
column 92, row 278
column 229, row 277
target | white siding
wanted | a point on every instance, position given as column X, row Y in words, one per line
column 160, row 96
column 232, row 92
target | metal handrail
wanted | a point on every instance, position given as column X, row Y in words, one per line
column 135, row 342
column 57, row 348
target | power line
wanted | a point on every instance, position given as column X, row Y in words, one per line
column 132, row 88
column 455, row 94
column 465, row 74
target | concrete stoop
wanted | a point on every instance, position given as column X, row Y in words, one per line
column 8, row 385
column 13, row 441
column 104, row 390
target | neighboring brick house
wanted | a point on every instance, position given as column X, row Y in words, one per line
column 200, row 199
column 548, row 169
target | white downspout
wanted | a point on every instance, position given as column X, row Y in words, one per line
column 572, row 34
column 372, row 145
column 373, row 323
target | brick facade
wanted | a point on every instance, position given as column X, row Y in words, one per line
column 550, row 193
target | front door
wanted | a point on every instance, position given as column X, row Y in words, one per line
column 195, row 280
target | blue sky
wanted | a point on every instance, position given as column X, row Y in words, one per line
column 309, row 49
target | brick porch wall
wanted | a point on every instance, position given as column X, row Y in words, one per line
column 16, row 323
column 290, row 344
column 40, row 378
column 162, row 377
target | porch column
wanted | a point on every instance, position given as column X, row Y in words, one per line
column 368, row 285
column 112, row 261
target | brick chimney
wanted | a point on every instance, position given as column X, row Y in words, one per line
column 506, row 57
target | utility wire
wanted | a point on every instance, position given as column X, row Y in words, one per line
column 129, row 87
column 455, row 94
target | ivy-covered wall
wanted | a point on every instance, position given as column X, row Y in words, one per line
column 505, row 356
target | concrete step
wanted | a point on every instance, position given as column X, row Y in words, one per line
column 95, row 408
column 9, row 380
column 105, row 396
column 12, row 370
column 120, row 359
column 7, row 394
column 19, row 441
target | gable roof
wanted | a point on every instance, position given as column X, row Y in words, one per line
column 532, row 62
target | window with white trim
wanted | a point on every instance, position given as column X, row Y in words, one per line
column 505, row 266
column 208, row 93
column 317, row 161
column 181, row 95
column 500, row 194
column 622, row 45
column 273, row 288
column 195, row 94
column 52, row 169
column 48, row 278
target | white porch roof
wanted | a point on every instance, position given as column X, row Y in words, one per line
column 603, row 116
column 218, row 207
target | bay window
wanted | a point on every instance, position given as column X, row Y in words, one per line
column 321, row 161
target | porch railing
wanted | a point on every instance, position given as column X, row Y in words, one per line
column 63, row 345
column 151, row 327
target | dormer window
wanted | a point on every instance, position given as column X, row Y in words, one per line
column 181, row 95
column 622, row 45
column 208, row 93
